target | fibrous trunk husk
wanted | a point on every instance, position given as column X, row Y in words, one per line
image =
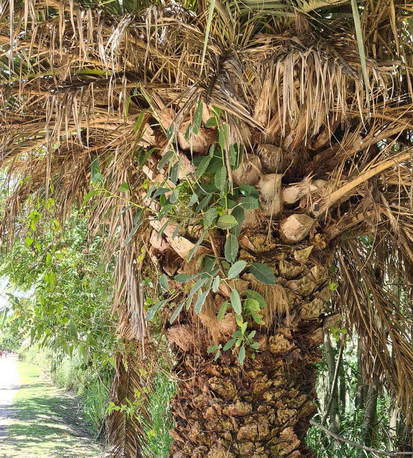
column 124, row 432
column 261, row 409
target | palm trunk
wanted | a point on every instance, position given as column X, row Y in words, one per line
column 404, row 435
column 370, row 415
column 124, row 431
column 263, row 408
column 342, row 389
column 332, row 394
column 362, row 387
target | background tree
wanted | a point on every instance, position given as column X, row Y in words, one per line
column 376, row 416
column 243, row 150
column 60, row 305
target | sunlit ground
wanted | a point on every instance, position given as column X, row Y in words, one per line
column 37, row 419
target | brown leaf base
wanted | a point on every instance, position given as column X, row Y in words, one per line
column 260, row 410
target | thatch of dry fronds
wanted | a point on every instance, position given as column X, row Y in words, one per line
column 80, row 85
column 129, row 395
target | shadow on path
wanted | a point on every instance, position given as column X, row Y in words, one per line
column 43, row 421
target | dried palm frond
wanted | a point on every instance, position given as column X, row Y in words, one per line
column 129, row 391
column 81, row 87
column 377, row 302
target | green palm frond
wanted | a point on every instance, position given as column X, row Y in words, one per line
column 306, row 6
column 286, row 7
column 360, row 42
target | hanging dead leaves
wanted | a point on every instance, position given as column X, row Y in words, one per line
column 254, row 140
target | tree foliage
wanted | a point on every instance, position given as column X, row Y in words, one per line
column 67, row 305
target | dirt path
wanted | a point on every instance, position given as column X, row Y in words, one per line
column 9, row 384
column 38, row 419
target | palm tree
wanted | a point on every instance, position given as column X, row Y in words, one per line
column 252, row 156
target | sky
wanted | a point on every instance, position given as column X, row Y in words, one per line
column 4, row 302
column 3, row 289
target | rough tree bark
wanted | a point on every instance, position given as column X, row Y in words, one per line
column 370, row 414
column 261, row 409
column 342, row 389
column 332, row 393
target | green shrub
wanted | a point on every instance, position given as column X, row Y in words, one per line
column 158, row 439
